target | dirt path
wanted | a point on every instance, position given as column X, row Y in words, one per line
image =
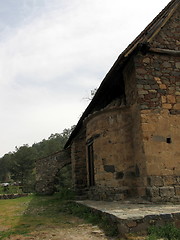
column 80, row 232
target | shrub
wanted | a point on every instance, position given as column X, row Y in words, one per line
column 10, row 189
column 168, row 231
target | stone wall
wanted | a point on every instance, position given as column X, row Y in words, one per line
column 109, row 130
column 158, row 84
column 46, row 170
column 158, row 75
column 78, row 157
column 168, row 36
column 163, row 188
column 161, row 138
column 13, row 196
column 131, row 92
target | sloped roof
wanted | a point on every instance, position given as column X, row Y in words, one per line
column 145, row 37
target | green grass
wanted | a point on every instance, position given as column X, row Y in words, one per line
column 10, row 190
column 23, row 216
column 168, row 232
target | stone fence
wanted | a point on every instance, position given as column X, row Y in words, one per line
column 12, row 196
column 47, row 168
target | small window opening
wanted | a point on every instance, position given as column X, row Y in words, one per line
column 168, row 140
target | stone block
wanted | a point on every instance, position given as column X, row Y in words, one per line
column 166, row 217
column 147, row 87
column 177, row 106
column 177, row 93
column 140, row 86
column 159, row 138
column 141, row 191
column 151, row 219
column 153, row 91
column 162, row 86
column 169, row 180
column 163, row 99
column 178, row 179
column 166, row 65
column 141, row 71
column 171, row 99
column 167, row 106
column 152, row 191
column 155, row 86
column 177, row 65
column 141, row 228
column 131, row 223
column 118, row 197
column 162, row 91
column 146, row 60
column 142, row 92
column 144, row 107
column 157, row 199
column 178, row 99
column 157, row 79
column 167, row 192
column 156, row 181
column 122, row 228
column 177, row 190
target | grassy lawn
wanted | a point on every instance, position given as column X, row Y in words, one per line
column 25, row 215
column 33, row 216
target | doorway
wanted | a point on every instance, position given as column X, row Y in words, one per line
column 91, row 165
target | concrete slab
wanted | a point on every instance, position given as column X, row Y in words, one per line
column 134, row 216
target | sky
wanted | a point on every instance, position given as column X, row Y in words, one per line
column 53, row 53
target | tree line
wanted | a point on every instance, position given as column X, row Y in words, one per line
column 19, row 166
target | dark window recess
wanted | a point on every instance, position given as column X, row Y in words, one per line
column 109, row 168
column 149, row 181
column 91, row 164
column 168, row 140
column 119, row 175
column 137, row 172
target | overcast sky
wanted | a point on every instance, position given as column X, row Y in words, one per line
column 52, row 53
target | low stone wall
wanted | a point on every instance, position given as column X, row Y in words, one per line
column 46, row 170
column 12, row 196
column 163, row 188
column 141, row 225
column 133, row 217
column 108, row 193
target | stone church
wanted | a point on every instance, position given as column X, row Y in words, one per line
column 127, row 142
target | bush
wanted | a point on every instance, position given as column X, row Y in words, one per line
column 66, row 194
column 10, row 189
column 169, row 232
